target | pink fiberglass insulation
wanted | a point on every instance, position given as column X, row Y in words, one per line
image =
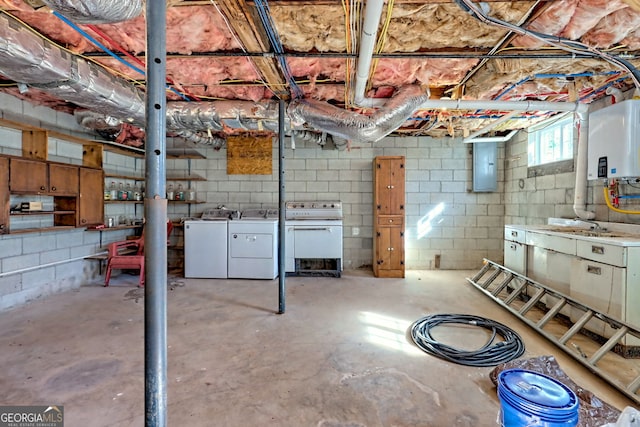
column 56, row 30
column 13, row 5
column 588, row 14
column 203, row 75
column 37, row 97
column 552, row 21
column 189, row 29
column 613, row 28
column 632, row 41
column 314, row 68
column 400, row 72
column 324, row 92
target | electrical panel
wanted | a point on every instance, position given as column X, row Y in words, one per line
column 485, row 167
column 614, row 141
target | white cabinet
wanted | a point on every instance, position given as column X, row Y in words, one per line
column 601, row 287
column 599, row 273
column 550, row 268
column 515, row 251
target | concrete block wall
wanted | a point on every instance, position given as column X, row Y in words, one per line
column 438, row 176
column 34, row 265
column 532, row 201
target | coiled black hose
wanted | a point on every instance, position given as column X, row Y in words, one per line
column 490, row 354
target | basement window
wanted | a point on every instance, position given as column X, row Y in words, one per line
column 550, row 147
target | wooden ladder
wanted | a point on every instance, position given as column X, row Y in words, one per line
column 539, row 306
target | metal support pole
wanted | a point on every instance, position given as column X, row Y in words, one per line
column 281, row 212
column 155, row 241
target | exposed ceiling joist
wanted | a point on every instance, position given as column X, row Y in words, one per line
column 254, row 39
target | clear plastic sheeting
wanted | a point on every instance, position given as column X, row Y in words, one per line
column 354, row 126
column 96, row 11
column 593, row 411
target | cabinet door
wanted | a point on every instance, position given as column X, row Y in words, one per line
column 515, row 256
column 389, row 249
column 91, row 197
column 63, row 179
column 600, row 286
column 389, row 186
column 4, row 195
column 28, row 176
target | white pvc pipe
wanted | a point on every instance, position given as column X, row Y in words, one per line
column 581, row 110
column 372, row 15
column 580, row 192
column 51, row 264
column 459, row 104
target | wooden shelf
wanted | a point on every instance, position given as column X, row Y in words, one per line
column 118, row 176
column 42, row 213
column 140, row 202
column 187, row 202
column 116, row 228
column 168, row 178
column 41, row 229
column 186, row 178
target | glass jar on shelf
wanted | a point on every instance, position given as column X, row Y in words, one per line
column 180, row 193
column 113, row 191
column 170, row 192
column 122, row 193
column 137, row 194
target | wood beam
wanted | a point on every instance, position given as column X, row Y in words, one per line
column 253, row 37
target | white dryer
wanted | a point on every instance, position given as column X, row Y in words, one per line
column 253, row 245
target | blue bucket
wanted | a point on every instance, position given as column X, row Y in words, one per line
column 530, row 399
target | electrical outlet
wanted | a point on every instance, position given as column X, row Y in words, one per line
column 355, row 231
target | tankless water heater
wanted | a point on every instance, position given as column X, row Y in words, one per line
column 614, row 141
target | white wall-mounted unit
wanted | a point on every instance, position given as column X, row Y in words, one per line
column 614, row 141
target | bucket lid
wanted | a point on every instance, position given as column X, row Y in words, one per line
column 537, row 388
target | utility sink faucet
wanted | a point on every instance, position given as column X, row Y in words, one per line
column 594, row 225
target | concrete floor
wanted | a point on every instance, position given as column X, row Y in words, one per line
column 339, row 356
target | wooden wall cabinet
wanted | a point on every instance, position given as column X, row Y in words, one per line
column 389, row 216
column 37, row 177
column 76, row 193
column 4, row 195
column 91, row 209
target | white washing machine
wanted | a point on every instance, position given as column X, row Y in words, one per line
column 253, row 245
column 205, row 244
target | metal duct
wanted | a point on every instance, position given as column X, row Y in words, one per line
column 90, row 86
column 353, row 126
column 214, row 141
column 215, row 115
column 96, row 11
column 27, row 58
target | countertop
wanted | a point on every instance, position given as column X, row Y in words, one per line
column 604, row 232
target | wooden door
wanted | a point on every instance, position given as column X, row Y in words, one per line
column 396, row 184
column 91, row 211
column 28, row 176
column 63, row 179
column 389, row 252
column 389, row 185
column 4, row 195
